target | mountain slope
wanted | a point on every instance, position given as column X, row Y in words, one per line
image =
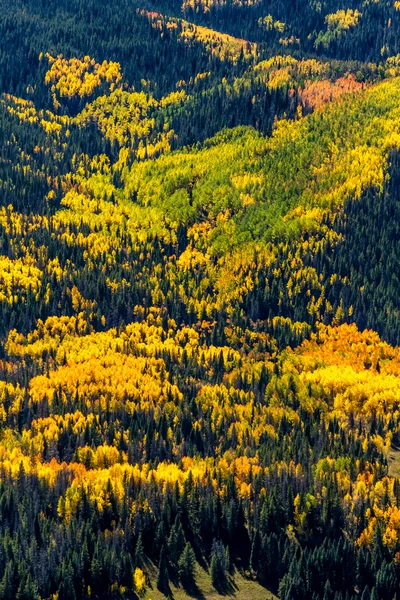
column 198, row 221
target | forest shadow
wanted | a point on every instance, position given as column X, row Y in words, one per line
column 192, row 589
column 227, row 587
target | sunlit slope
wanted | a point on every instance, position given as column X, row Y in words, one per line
column 144, row 420
column 252, row 205
column 96, row 28
column 255, row 183
column 148, row 396
column 238, row 225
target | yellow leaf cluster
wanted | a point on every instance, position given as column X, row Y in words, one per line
column 75, row 77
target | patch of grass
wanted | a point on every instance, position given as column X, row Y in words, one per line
column 240, row 588
column 394, row 461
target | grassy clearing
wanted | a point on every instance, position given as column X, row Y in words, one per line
column 394, row 461
column 240, row 588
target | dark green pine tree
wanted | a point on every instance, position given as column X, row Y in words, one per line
column 218, row 565
column 162, row 577
column 374, row 595
column 328, row 593
column 28, row 590
column 186, row 566
column 366, row 594
column 286, row 588
column 176, row 542
column 215, row 571
column 7, row 586
column 66, row 591
column 139, row 552
column 255, row 552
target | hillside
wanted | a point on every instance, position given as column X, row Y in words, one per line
column 199, row 300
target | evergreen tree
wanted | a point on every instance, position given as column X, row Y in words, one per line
column 218, row 567
column 162, row 577
column 366, row 594
column 139, row 552
column 176, row 541
column 186, row 565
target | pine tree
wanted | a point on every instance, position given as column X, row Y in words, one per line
column 66, row 590
column 374, row 594
column 328, row 593
column 7, row 586
column 215, row 571
column 227, row 560
column 218, row 565
column 176, row 541
column 366, row 595
column 162, row 577
column 186, row 565
column 28, row 590
column 139, row 552
column 255, row 552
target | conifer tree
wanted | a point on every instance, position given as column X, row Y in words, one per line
column 218, row 566
column 186, row 565
column 139, row 552
column 162, row 577
column 176, row 541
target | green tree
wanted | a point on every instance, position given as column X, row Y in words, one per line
column 28, row 590
column 218, row 567
column 162, row 577
column 186, row 565
column 176, row 542
column 255, row 552
column 139, row 552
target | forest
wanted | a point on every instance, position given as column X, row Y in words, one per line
column 199, row 299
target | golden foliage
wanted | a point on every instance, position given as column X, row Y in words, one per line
column 343, row 19
column 222, row 45
column 139, row 581
column 75, row 77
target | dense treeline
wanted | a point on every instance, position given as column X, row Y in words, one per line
column 108, row 32
column 156, row 53
column 198, row 221
column 304, row 27
column 274, row 468
column 368, row 258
